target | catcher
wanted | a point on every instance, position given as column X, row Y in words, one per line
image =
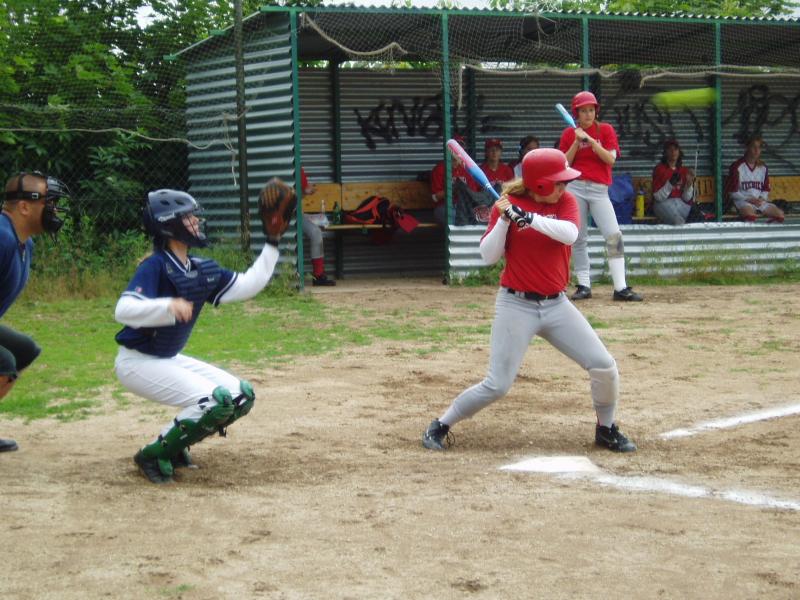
column 159, row 309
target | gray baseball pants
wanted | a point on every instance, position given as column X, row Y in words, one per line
column 516, row 321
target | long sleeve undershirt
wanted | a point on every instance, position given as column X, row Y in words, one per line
column 135, row 310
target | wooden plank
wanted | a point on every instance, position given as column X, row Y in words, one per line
column 330, row 193
column 786, row 187
column 411, row 195
column 355, row 226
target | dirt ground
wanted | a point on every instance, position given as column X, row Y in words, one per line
column 325, row 491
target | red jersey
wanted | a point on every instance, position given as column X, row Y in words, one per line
column 457, row 171
column 586, row 161
column 662, row 174
column 502, row 174
column 536, row 262
column 303, row 179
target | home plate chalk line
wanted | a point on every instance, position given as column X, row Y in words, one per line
column 581, row 468
column 762, row 415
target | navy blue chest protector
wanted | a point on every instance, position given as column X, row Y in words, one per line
column 196, row 286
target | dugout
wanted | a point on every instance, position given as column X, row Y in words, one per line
column 371, row 94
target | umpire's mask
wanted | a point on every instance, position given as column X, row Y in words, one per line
column 56, row 190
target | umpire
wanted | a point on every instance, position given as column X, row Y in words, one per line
column 29, row 209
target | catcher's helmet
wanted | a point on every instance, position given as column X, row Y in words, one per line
column 165, row 216
column 543, row 168
column 584, row 99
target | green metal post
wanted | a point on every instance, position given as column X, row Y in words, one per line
column 336, row 96
column 448, row 184
column 241, row 127
column 718, row 122
column 297, row 157
column 585, row 56
column 472, row 110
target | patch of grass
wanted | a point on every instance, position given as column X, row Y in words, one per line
column 75, row 371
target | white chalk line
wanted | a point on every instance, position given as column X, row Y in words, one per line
column 762, row 415
column 582, row 469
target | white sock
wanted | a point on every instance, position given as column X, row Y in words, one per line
column 617, row 268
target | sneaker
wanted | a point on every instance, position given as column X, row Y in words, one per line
column 322, row 280
column 582, row 292
column 437, row 436
column 627, row 295
column 183, row 460
column 8, row 446
column 613, row 439
column 150, row 469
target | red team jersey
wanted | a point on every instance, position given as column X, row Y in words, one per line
column 536, row 262
column 586, row 161
column 457, row 171
column 501, row 175
column 662, row 174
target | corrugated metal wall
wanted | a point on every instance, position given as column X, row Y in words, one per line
column 664, row 250
column 210, row 114
column 767, row 105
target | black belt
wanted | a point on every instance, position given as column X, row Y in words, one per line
column 533, row 295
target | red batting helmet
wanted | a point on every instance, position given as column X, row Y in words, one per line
column 543, row 168
column 584, row 99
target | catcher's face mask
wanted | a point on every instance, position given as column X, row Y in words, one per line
column 56, row 190
column 171, row 214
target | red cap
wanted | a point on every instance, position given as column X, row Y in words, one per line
column 492, row 143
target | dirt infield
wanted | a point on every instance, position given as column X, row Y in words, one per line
column 325, row 491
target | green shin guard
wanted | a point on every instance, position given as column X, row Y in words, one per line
column 187, row 433
column 243, row 403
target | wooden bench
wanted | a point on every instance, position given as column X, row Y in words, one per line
column 408, row 195
column 783, row 187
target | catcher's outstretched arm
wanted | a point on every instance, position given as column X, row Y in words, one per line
column 246, row 285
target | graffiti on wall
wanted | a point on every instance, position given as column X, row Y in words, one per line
column 420, row 117
column 759, row 111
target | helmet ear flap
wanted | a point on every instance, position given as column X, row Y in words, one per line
column 544, row 187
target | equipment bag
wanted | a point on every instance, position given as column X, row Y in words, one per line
column 375, row 210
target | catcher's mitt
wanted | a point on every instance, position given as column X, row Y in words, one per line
column 276, row 205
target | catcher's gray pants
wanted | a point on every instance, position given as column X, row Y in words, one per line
column 516, row 321
column 672, row 211
column 593, row 200
column 314, row 235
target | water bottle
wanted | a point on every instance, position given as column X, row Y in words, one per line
column 640, row 203
column 323, row 216
column 337, row 214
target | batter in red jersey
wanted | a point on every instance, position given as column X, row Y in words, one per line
column 533, row 226
column 592, row 148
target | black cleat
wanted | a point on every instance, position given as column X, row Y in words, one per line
column 582, row 292
column 8, row 446
column 627, row 295
column 613, row 439
column 322, row 280
column 437, row 436
column 149, row 468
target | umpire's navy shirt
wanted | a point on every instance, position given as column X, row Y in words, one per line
column 15, row 263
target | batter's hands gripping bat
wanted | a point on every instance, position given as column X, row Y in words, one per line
column 565, row 115
column 473, row 169
column 512, row 212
